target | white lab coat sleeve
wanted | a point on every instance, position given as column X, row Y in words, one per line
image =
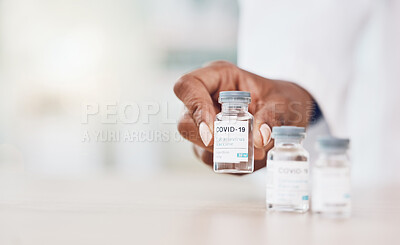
column 310, row 43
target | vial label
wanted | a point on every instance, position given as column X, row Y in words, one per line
column 287, row 182
column 231, row 141
column 331, row 190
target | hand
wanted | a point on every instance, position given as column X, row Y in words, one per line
column 274, row 103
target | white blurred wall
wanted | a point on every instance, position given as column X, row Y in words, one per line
column 57, row 56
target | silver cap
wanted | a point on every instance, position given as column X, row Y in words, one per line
column 332, row 143
column 234, row 96
column 288, row 132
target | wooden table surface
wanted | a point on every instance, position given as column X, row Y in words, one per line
column 179, row 208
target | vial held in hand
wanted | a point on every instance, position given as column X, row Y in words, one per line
column 233, row 134
column 288, row 171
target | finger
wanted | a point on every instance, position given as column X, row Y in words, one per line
column 259, row 154
column 196, row 89
column 262, row 134
column 204, row 155
column 207, row 157
column 258, row 164
column 188, row 129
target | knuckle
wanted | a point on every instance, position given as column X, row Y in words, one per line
column 221, row 63
column 196, row 111
column 182, row 83
column 201, row 111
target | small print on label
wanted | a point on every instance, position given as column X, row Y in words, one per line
column 231, row 141
column 287, row 182
column 331, row 190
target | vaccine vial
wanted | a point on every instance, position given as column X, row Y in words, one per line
column 233, row 134
column 288, row 171
column 331, row 179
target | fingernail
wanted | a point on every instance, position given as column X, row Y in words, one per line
column 205, row 133
column 265, row 131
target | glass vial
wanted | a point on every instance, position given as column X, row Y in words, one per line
column 331, row 179
column 288, row 171
column 233, row 134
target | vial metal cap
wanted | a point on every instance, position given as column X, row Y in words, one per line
column 288, row 132
column 332, row 143
column 234, row 96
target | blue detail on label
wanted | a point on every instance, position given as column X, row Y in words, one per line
column 346, row 196
column 305, row 198
column 242, row 155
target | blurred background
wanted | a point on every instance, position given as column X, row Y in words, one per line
column 71, row 72
column 89, row 148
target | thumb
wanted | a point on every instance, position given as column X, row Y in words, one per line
column 261, row 134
